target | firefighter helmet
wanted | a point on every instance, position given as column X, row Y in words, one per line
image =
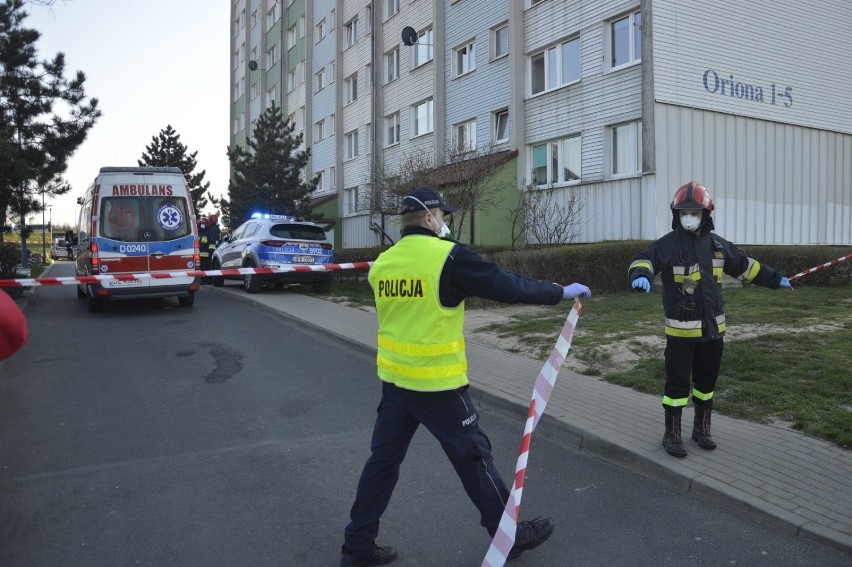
column 692, row 196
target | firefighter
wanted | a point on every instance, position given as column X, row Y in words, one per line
column 691, row 261
column 204, row 247
column 214, row 233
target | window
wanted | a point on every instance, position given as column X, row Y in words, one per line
column 271, row 96
column 392, row 129
column 626, row 40
column 350, row 200
column 392, row 64
column 270, row 58
column 351, row 88
column 558, row 161
column 368, row 20
column 501, row 126
column 332, row 178
column 301, row 26
column 352, row 32
column 320, row 181
column 500, row 41
column 422, row 117
column 465, row 59
column 291, row 118
column 533, row 2
column 319, row 131
column 626, row 148
column 238, row 89
column 464, row 137
column 555, row 67
column 322, row 29
column 368, row 78
column 351, row 148
column 324, row 77
column 291, row 80
column 423, row 51
column 392, row 8
column 272, row 14
column 253, row 54
column 253, row 92
column 291, row 36
column 368, row 142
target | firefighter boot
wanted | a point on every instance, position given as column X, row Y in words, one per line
column 672, row 441
column 701, row 427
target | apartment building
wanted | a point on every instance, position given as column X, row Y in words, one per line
column 614, row 102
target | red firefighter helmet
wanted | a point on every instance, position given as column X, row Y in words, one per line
column 692, row 196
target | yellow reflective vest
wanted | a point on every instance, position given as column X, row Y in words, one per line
column 420, row 342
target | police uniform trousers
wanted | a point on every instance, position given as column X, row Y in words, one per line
column 700, row 359
column 452, row 418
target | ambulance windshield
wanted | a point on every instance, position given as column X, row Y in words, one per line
column 144, row 218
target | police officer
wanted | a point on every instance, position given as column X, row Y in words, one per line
column 691, row 261
column 419, row 286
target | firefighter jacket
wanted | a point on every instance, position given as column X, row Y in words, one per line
column 203, row 246
column 691, row 268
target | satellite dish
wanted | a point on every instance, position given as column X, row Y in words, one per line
column 409, row 35
column 253, row 65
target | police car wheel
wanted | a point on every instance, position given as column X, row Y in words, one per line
column 321, row 287
column 187, row 301
column 251, row 282
column 218, row 281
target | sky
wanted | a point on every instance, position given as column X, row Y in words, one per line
column 150, row 63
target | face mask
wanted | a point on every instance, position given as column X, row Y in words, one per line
column 690, row 223
column 444, row 230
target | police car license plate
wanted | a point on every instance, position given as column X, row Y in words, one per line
column 303, row 259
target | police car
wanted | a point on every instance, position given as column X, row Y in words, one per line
column 275, row 241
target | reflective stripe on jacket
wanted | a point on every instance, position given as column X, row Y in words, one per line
column 691, row 270
column 203, row 248
column 420, row 342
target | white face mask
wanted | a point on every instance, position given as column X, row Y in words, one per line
column 690, row 223
column 443, row 230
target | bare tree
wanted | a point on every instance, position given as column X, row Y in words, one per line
column 467, row 179
column 416, row 169
column 539, row 218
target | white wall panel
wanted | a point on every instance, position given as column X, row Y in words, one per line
column 772, row 183
column 803, row 46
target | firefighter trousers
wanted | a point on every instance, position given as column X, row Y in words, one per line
column 699, row 360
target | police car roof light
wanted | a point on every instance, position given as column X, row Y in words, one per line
column 272, row 217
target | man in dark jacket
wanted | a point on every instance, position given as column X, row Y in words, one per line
column 420, row 285
column 691, row 262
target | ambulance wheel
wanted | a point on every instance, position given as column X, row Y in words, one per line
column 187, row 301
column 96, row 304
column 251, row 282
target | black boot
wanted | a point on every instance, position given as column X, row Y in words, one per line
column 672, row 441
column 701, row 426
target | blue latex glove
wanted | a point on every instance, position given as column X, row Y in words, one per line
column 642, row 284
column 576, row 290
column 785, row 283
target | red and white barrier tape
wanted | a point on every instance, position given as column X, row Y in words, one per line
column 817, row 268
column 74, row 280
column 504, row 539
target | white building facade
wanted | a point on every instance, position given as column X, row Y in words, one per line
column 617, row 102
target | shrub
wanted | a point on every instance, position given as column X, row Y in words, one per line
column 603, row 265
column 10, row 256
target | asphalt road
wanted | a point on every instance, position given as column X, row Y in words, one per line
column 222, row 434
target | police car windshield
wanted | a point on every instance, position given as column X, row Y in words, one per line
column 297, row 232
column 144, row 219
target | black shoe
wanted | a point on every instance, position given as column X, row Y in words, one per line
column 673, row 445
column 530, row 534
column 380, row 556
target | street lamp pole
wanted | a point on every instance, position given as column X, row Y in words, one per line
column 43, row 245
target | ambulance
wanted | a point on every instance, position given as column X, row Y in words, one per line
column 137, row 220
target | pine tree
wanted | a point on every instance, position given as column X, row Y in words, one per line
column 36, row 140
column 166, row 150
column 267, row 175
